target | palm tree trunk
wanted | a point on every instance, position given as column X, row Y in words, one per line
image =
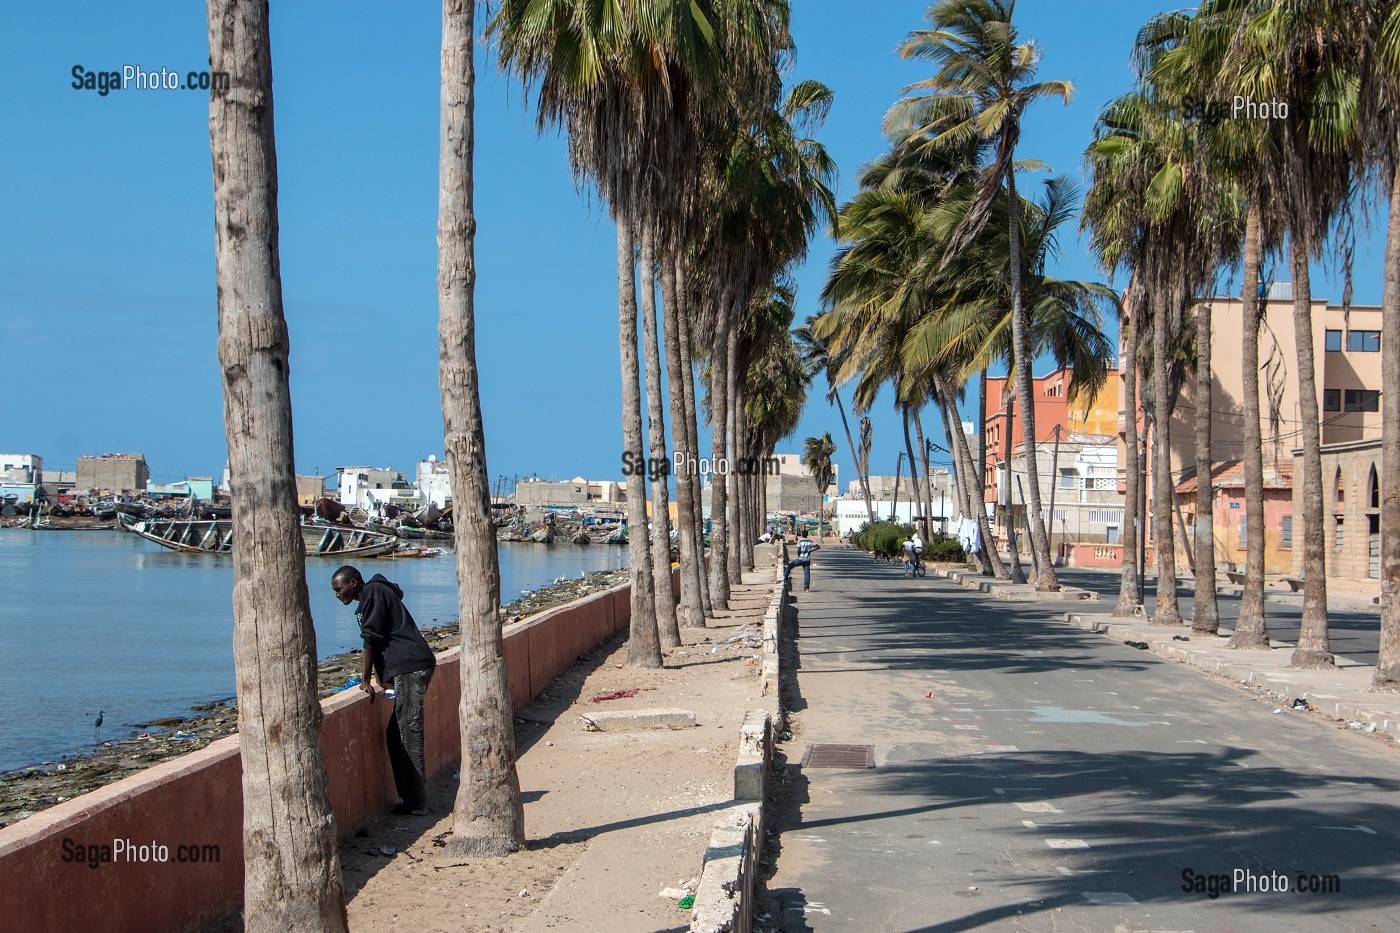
column 914, row 493
column 1250, row 630
column 972, row 494
column 1387, row 676
column 644, row 646
column 692, row 431
column 1164, row 543
column 719, row 451
column 292, row 878
column 1205, row 614
column 690, row 612
column 1130, row 590
column 1020, row 348
column 855, row 457
column 927, row 505
column 666, row 625
column 1313, row 650
column 736, row 451
column 980, row 472
column 1013, row 539
column 488, row 817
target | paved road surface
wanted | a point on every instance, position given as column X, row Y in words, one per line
column 1057, row 780
column 1355, row 630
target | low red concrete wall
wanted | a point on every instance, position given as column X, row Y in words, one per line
column 47, row 884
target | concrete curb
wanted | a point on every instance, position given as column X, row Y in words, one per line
column 1020, row 592
column 1275, row 681
column 724, row 897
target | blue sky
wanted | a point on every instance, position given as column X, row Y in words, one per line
column 107, row 302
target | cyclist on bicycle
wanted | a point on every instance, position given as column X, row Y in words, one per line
column 909, row 557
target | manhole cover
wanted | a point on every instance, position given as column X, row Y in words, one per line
column 839, row 756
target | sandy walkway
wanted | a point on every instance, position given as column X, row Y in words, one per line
column 612, row 818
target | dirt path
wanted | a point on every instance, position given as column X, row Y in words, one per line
column 613, row 818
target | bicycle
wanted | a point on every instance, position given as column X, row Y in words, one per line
column 919, row 568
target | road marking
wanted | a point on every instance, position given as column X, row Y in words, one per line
column 1039, row 806
column 1067, row 843
column 815, row 908
column 1003, row 790
column 1029, row 825
column 1354, row 829
column 969, row 728
column 1063, row 870
column 998, row 748
column 1108, row 898
column 1192, row 742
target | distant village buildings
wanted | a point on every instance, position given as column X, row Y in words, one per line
column 113, row 474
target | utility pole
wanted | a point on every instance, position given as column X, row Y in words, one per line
column 898, row 465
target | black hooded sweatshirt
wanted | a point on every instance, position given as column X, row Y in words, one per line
column 387, row 626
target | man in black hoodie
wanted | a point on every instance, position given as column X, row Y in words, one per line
column 396, row 653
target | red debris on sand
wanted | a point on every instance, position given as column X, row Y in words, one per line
column 615, row 695
column 928, row 696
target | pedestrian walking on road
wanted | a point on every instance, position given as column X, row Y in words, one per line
column 805, row 547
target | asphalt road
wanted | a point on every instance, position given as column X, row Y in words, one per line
column 1354, row 632
column 1054, row 779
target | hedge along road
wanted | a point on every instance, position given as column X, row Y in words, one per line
column 1056, row 779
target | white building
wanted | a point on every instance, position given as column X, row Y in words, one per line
column 434, row 483
column 21, row 468
column 365, row 487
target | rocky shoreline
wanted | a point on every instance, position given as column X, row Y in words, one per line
column 29, row 790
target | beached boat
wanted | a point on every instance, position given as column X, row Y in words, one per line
column 216, row 537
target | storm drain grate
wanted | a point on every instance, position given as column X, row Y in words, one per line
column 839, row 756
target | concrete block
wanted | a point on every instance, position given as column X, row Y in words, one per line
column 724, row 897
column 755, row 756
column 635, row 720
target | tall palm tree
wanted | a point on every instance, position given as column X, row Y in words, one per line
column 816, row 457
column 983, row 85
column 292, row 878
column 1385, row 135
column 488, row 817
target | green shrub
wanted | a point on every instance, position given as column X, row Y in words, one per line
column 945, row 551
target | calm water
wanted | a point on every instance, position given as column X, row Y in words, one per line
column 103, row 620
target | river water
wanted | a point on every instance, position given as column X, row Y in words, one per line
column 99, row 620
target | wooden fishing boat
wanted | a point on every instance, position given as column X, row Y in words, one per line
column 216, row 537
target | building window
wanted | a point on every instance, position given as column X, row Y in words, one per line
column 1286, row 532
column 1111, row 535
column 1069, row 479
column 1341, row 532
column 1363, row 341
column 1333, row 341
column 1243, row 537
column 1331, row 399
column 1363, row 400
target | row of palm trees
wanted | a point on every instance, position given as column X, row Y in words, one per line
column 1182, row 194
column 942, row 269
column 677, row 117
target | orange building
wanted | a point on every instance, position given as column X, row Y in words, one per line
column 1096, row 416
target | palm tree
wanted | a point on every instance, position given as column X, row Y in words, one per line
column 668, row 631
column 292, row 877
column 1385, row 77
column 816, row 456
column 984, row 83
column 488, row 817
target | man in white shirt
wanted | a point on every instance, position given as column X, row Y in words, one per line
column 805, row 547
